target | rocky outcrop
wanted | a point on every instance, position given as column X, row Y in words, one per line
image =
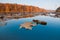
column 58, row 9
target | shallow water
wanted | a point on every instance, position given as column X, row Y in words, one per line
column 12, row 30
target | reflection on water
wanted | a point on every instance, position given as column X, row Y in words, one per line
column 12, row 30
column 3, row 23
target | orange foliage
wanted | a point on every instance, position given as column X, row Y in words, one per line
column 19, row 8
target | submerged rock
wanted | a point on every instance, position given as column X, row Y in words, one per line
column 27, row 25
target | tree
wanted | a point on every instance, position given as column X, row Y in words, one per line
column 2, row 8
column 11, row 8
column 23, row 7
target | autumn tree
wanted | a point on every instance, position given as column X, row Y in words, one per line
column 11, row 8
column 2, row 8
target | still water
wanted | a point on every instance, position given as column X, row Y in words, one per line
column 12, row 31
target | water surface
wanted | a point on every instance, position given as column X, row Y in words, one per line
column 12, row 30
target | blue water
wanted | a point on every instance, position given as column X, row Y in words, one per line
column 12, row 30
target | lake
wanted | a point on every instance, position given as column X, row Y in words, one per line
column 12, row 31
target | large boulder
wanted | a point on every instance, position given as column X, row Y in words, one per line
column 58, row 9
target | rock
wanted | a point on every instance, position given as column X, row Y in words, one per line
column 58, row 9
column 27, row 25
column 43, row 23
column 40, row 22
